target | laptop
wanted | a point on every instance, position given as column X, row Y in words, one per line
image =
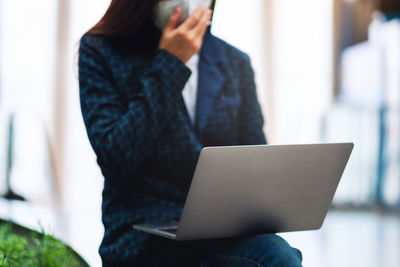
column 247, row 190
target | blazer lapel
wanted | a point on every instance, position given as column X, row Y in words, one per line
column 210, row 81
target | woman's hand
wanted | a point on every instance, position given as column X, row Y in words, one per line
column 185, row 40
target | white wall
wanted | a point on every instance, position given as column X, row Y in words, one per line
column 302, row 64
column 28, row 53
column 292, row 59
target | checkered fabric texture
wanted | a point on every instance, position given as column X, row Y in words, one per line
column 139, row 128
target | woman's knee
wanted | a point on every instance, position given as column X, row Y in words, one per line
column 260, row 250
column 276, row 251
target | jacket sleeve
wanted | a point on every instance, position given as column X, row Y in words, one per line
column 123, row 138
column 250, row 118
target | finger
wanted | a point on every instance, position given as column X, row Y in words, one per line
column 201, row 27
column 193, row 19
column 173, row 20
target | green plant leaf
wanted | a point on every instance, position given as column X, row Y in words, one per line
column 33, row 249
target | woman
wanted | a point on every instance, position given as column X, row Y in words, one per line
column 151, row 98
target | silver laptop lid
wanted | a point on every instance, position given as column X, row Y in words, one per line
column 244, row 190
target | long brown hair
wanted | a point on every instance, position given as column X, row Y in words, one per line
column 127, row 18
column 132, row 21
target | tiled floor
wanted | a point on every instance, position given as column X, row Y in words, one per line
column 347, row 238
column 351, row 238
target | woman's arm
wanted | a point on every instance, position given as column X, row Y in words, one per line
column 124, row 138
column 250, row 120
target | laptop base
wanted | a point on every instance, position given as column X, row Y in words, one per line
column 167, row 230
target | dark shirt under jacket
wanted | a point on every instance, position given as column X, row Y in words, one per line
column 139, row 128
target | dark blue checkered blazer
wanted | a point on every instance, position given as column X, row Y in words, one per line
column 139, row 128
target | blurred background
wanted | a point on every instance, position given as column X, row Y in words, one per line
column 326, row 71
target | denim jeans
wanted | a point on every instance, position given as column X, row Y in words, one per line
column 260, row 250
